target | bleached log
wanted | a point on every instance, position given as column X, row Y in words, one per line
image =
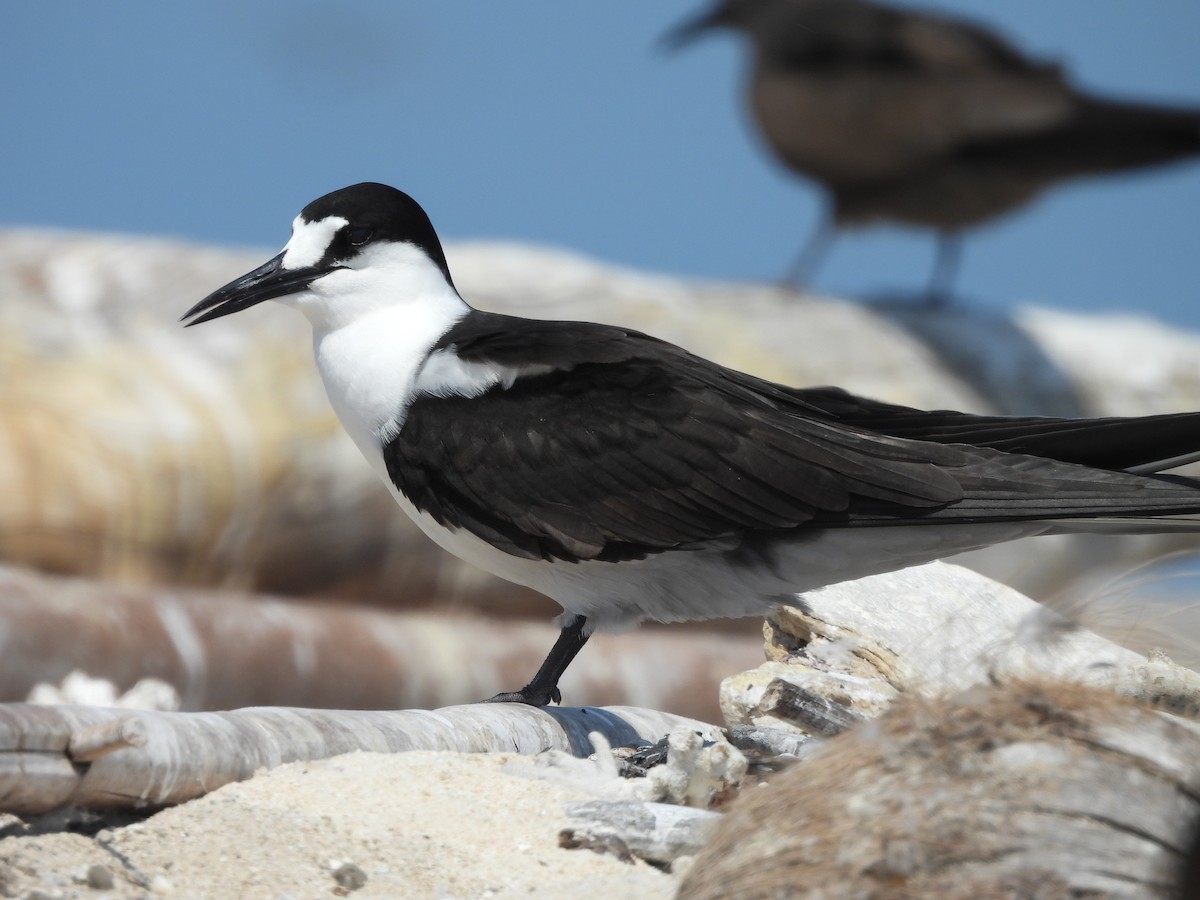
column 96, row 741
column 133, row 450
column 817, row 715
column 939, row 627
column 1024, row 790
column 772, row 742
column 52, row 756
column 659, row 832
column 850, row 650
column 222, row 650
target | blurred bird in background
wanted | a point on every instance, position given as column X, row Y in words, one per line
column 924, row 120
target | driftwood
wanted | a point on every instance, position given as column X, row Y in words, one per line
column 1051, row 791
column 224, row 651
column 772, row 743
column 659, row 832
column 54, row 756
column 847, row 652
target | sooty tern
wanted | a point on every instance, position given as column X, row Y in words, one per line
column 921, row 119
column 629, row 479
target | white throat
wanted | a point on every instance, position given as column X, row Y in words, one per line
column 374, row 323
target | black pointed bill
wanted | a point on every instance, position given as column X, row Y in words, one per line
column 268, row 281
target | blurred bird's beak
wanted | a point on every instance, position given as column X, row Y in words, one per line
column 688, row 31
column 268, row 281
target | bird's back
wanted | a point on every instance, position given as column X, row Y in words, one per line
column 851, row 93
column 929, row 120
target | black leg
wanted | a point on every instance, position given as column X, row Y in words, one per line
column 945, row 268
column 804, row 269
column 543, row 689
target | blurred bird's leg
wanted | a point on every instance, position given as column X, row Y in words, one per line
column 945, row 268
column 811, row 255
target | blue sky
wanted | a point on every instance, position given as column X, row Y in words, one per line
column 558, row 123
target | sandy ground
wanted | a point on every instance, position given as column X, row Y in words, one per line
column 416, row 825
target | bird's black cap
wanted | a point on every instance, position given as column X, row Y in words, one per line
column 383, row 212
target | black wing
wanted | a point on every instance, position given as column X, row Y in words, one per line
column 628, row 446
column 1115, row 443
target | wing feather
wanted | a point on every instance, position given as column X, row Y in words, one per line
column 619, row 445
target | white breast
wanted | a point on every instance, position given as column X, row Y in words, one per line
column 369, row 368
column 375, row 355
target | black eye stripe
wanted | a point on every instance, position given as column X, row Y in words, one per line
column 359, row 235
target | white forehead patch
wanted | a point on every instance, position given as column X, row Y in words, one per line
column 310, row 240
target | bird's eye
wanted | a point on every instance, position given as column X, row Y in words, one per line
column 359, row 236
